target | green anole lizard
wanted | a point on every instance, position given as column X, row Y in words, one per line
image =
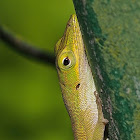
column 77, row 85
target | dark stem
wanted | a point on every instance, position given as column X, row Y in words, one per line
column 26, row 49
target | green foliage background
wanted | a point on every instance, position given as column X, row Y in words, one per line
column 31, row 106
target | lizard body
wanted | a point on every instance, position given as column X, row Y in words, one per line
column 77, row 85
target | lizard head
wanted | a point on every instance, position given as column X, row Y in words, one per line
column 68, row 55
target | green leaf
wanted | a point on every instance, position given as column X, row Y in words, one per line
column 111, row 33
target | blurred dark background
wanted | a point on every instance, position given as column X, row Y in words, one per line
column 31, row 105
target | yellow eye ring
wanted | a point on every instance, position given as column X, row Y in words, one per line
column 66, row 60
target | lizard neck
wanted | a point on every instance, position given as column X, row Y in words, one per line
column 87, row 116
column 81, row 104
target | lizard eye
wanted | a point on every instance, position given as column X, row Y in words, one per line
column 66, row 60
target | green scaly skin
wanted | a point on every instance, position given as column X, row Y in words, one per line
column 77, row 85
